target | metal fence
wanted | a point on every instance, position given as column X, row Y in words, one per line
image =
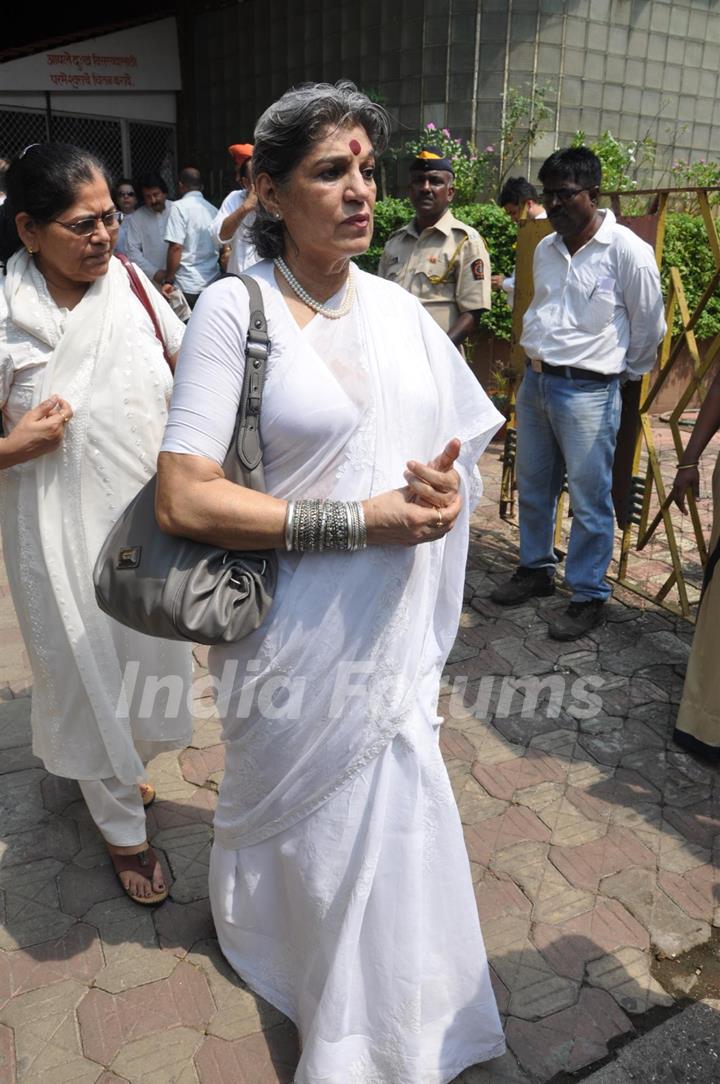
column 128, row 148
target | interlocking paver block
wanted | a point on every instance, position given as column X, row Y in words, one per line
column 45, row 1035
column 670, row 929
column 516, row 825
column 240, row 1012
column 698, row 823
column 130, row 946
column 557, row 900
column 76, row 955
column 525, row 863
column 504, row 1070
column 475, row 804
column 188, row 852
column 627, row 787
column 626, row 975
column 31, row 905
column 455, row 745
column 568, row 826
column 500, row 896
column 180, row 926
column 21, row 804
column 587, row 864
column 542, row 796
column 206, row 732
column 15, row 723
column 697, row 891
column 108, row 1022
column 197, row 765
column 166, row 1056
column 502, row 780
column 606, row 927
column 535, row 989
column 80, row 889
column 197, row 808
column 490, row 747
column 571, row 1039
column 58, row 793
column 7, row 1056
column 56, row 838
column 267, row 1058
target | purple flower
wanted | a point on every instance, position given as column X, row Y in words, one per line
column 430, row 127
column 489, row 150
column 446, row 132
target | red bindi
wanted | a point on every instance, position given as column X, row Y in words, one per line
column 354, row 146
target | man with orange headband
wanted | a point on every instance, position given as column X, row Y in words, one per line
column 439, row 259
column 237, row 213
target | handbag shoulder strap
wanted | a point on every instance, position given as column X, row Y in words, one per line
column 246, row 467
column 136, row 285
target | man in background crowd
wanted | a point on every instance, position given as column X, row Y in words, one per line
column 519, row 200
column 145, row 240
column 595, row 320
column 192, row 257
column 439, row 259
column 237, row 213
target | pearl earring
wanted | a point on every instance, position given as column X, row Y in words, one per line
column 278, row 215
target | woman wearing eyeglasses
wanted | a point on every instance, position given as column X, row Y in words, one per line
column 84, row 387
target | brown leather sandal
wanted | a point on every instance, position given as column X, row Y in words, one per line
column 144, row 863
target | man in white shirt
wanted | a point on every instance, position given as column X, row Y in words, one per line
column 192, row 256
column 237, row 213
column 145, row 239
column 519, row 200
column 595, row 320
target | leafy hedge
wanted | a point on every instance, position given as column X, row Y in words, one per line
column 686, row 247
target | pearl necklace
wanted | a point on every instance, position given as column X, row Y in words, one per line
column 332, row 314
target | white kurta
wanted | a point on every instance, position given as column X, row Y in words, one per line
column 340, row 885
column 93, row 679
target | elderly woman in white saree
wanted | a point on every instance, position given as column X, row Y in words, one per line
column 339, row 882
column 84, row 387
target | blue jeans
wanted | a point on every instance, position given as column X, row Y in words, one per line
column 571, row 423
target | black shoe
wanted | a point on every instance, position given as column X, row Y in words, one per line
column 578, row 619
column 524, row 583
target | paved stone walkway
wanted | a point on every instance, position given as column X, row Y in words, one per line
column 591, row 840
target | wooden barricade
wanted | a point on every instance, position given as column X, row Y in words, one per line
column 642, row 503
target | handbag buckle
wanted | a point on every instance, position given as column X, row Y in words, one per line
column 128, row 558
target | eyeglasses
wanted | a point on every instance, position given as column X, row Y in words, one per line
column 126, row 194
column 562, row 194
column 85, row 227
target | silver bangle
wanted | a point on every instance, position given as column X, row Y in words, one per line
column 289, row 523
column 313, row 525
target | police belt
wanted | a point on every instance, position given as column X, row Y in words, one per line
column 567, row 371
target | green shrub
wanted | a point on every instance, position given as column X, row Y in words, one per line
column 687, row 248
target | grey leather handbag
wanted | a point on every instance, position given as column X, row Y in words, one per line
column 178, row 589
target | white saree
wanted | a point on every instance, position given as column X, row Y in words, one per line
column 103, row 357
column 340, row 885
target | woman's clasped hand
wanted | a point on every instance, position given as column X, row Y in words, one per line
column 423, row 510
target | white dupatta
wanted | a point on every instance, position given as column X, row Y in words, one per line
column 115, row 377
column 355, row 644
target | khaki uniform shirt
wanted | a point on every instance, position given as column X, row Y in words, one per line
column 446, row 267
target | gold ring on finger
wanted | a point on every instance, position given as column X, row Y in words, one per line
column 440, row 522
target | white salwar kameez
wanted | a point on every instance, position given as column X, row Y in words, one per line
column 90, row 674
column 339, row 881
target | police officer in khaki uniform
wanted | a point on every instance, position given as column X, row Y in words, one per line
column 440, row 260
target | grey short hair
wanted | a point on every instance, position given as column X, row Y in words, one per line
column 288, row 128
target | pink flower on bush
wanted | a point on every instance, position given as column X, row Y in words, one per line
column 446, row 133
column 489, row 150
column 430, row 127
